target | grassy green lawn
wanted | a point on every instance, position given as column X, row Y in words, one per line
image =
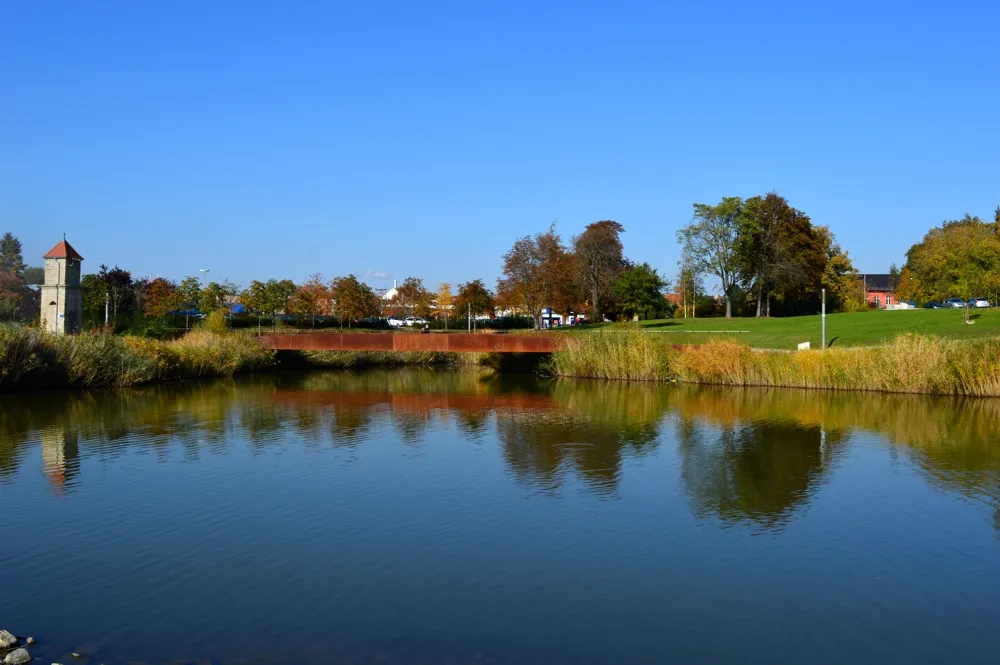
column 853, row 329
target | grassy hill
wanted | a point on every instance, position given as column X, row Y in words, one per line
column 851, row 329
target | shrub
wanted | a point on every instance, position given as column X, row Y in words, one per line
column 205, row 353
column 216, row 321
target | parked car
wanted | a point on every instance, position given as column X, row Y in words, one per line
column 954, row 302
column 415, row 321
column 934, row 304
column 396, row 323
column 979, row 302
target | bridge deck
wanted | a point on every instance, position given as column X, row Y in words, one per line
column 439, row 342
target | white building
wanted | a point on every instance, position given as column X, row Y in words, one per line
column 391, row 293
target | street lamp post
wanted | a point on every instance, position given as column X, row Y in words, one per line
column 204, row 274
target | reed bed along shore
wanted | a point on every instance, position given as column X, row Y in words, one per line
column 31, row 359
column 907, row 364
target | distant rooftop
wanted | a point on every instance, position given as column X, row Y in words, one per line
column 878, row 282
column 63, row 251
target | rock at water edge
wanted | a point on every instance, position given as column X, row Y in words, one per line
column 30, row 641
column 17, row 657
column 7, row 640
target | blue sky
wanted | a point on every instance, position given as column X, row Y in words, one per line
column 267, row 139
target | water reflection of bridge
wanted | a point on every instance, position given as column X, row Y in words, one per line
column 414, row 401
column 436, row 343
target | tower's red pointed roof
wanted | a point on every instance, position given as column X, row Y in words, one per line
column 63, row 250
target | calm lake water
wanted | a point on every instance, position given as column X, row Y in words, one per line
column 425, row 516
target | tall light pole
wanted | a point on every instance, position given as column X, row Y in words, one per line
column 204, row 274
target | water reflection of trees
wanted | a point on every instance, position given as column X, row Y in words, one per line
column 342, row 407
column 757, row 454
column 758, row 471
column 596, row 425
column 746, row 455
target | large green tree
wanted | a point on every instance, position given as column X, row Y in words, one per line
column 114, row 290
column 353, row 300
column 640, row 292
column 11, row 294
column 475, row 299
column 215, row 296
column 766, row 254
column 780, row 254
column 268, row 298
column 12, row 289
column 960, row 258
column 11, row 258
column 600, row 259
column 709, row 244
column 803, row 252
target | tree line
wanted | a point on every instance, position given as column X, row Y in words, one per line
column 132, row 303
column 767, row 257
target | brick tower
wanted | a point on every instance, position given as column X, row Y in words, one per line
column 62, row 302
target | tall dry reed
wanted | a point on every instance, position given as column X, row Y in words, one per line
column 620, row 354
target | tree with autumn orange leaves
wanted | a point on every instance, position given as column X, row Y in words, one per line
column 311, row 299
column 160, row 297
column 538, row 272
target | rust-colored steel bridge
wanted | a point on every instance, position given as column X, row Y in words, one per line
column 439, row 342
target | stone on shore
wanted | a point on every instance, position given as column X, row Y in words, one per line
column 7, row 640
column 17, row 657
